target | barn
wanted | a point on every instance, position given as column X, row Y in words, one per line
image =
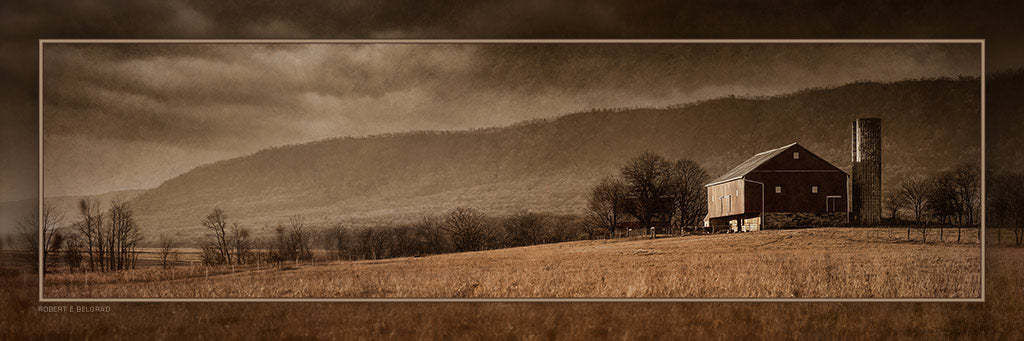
column 784, row 187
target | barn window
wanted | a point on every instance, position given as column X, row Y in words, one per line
column 814, row 189
column 796, row 155
column 778, row 189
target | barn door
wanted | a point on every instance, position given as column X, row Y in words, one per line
column 832, row 203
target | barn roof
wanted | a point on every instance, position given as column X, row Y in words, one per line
column 749, row 165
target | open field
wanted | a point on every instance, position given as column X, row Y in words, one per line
column 996, row 318
column 825, row 262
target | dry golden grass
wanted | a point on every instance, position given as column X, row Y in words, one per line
column 997, row 318
column 826, row 262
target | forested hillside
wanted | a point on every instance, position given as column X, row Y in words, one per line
column 550, row 165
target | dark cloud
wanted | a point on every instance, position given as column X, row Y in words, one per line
column 23, row 23
column 150, row 92
column 185, row 104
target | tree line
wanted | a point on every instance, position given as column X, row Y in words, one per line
column 948, row 198
column 1005, row 202
column 461, row 229
column 650, row 189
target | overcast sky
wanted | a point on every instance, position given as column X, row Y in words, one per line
column 120, row 116
column 23, row 23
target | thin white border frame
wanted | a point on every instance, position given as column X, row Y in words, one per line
column 982, row 80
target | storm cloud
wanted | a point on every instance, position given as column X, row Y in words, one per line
column 22, row 23
column 120, row 116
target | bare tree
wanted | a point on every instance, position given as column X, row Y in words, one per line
column 52, row 226
column 466, row 228
column 967, row 185
column 608, row 201
column 893, row 204
column 241, row 243
column 966, row 181
column 91, row 230
column 366, row 247
column 525, row 228
column 73, row 251
column 689, row 193
column 167, row 253
column 338, row 239
column 217, row 223
column 941, row 201
column 650, row 181
column 913, row 193
column 123, row 236
column 1007, row 201
column 429, row 231
column 292, row 241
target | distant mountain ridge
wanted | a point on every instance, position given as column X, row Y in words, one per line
column 549, row 165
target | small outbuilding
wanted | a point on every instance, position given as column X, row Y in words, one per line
column 784, row 187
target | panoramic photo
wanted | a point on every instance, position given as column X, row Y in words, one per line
column 502, row 170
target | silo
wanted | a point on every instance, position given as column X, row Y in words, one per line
column 866, row 180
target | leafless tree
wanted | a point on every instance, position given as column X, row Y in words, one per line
column 913, row 193
column 91, row 230
column 466, row 228
column 123, row 236
column 73, row 251
column 966, row 181
column 338, row 239
column 241, row 243
column 168, row 254
column 564, row 229
column 1007, row 201
column 941, row 201
column 967, row 184
column 893, row 205
column 689, row 193
column 650, row 181
column 292, row 241
column 430, row 231
column 366, row 245
column 52, row 227
column 377, row 242
column 217, row 223
column 608, row 201
column 525, row 228
column 210, row 254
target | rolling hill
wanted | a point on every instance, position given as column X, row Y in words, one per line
column 549, row 165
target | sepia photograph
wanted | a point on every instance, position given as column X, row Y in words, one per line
column 524, row 170
column 505, row 170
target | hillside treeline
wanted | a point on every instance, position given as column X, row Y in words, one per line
column 925, row 122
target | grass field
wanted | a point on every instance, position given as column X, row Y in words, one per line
column 824, row 262
column 996, row 318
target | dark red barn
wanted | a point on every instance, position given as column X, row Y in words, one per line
column 783, row 187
